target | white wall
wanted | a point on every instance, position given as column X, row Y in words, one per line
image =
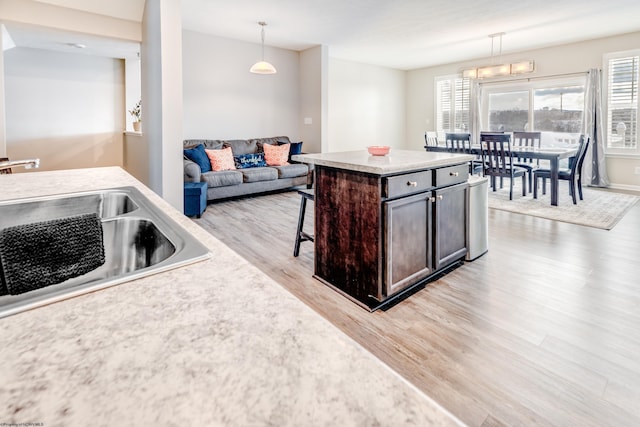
column 66, row 109
column 52, row 16
column 133, row 90
column 135, row 155
column 3, row 133
column 314, row 79
column 161, row 70
column 571, row 58
column 366, row 106
column 223, row 100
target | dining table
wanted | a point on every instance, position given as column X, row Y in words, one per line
column 552, row 154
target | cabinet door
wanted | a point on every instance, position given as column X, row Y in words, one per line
column 408, row 241
column 450, row 219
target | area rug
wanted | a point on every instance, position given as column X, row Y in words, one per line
column 600, row 208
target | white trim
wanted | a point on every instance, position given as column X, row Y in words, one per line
column 529, row 86
column 621, row 152
column 543, row 81
column 622, row 155
column 452, row 79
column 626, row 187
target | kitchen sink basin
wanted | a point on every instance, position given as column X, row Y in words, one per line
column 139, row 240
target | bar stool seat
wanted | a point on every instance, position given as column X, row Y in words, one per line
column 301, row 236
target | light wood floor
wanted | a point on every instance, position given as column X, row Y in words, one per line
column 544, row 329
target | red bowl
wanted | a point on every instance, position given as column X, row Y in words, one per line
column 378, row 150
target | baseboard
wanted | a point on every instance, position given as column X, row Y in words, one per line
column 625, row 187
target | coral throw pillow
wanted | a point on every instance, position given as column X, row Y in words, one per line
column 221, row 160
column 276, row 155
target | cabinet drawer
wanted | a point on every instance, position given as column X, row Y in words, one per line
column 452, row 175
column 409, row 183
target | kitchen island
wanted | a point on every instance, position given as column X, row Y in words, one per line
column 214, row 343
column 386, row 224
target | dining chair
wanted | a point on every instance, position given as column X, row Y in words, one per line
column 461, row 143
column 530, row 140
column 430, row 140
column 497, row 161
column 458, row 142
column 573, row 173
column 5, row 171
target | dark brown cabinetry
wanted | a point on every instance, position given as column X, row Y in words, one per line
column 450, row 225
column 376, row 236
column 408, row 249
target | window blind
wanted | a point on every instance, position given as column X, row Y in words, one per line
column 622, row 102
column 443, row 105
column 453, row 96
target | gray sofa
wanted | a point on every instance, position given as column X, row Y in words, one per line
column 240, row 182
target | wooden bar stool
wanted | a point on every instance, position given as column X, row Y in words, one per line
column 301, row 236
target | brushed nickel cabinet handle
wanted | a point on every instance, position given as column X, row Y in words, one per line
column 412, row 183
column 439, row 197
column 432, row 199
column 453, row 173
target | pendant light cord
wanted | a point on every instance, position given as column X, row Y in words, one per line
column 262, row 34
column 262, row 24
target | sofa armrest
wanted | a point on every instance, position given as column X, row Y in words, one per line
column 192, row 171
column 310, row 175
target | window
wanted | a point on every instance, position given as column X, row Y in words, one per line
column 622, row 78
column 551, row 106
column 558, row 109
column 452, row 104
column 508, row 111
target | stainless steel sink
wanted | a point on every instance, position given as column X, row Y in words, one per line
column 139, row 240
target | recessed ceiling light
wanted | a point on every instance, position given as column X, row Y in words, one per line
column 77, row 45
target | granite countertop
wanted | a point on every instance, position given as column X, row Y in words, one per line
column 213, row 343
column 397, row 161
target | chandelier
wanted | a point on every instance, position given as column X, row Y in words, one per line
column 500, row 70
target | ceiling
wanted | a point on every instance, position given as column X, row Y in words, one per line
column 402, row 34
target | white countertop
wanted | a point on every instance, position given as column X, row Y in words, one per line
column 214, row 343
column 397, row 161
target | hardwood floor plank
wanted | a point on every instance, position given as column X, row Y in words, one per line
column 606, row 364
column 622, row 396
column 541, row 330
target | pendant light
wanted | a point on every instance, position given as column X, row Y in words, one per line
column 263, row 67
column 505, row 69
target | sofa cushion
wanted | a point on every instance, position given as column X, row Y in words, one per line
column 274, row 140
column 292, row 171
column 259, row 174
column 277, row 140
column 221, row 160
column 222, row 178
column 276, row 155
column 251, row 160
column 241, row 146
column 198, row 155
column 209, row 144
